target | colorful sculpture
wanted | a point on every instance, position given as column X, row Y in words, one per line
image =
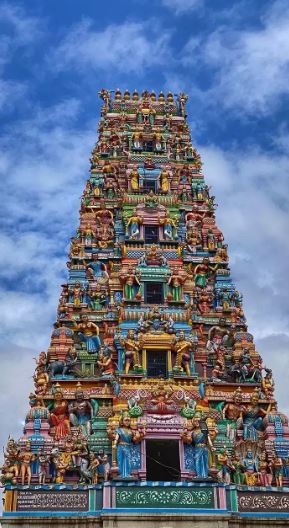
column 150, row 330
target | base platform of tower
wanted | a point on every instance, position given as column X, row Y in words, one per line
column 151, row 406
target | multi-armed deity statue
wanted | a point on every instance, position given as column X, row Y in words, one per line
column 150, row 344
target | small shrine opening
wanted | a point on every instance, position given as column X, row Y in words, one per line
column 157, row 364
column 149, row 185
column 148, row 146
column 154, row 293
column 163, row 460
column 151, row 234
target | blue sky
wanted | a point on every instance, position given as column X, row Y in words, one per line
column 232, row 58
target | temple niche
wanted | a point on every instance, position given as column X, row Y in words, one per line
column 151, row 394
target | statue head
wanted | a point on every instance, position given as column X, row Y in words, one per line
column 255, row 397
column 58, row 394
column 125, row 420
column 237, row 396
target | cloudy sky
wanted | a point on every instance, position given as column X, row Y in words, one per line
column 232, row 58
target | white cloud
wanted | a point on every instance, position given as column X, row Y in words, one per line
column 250, row 66
column 43, row 166
column 18, row 31
column 182, row 6
column 130, row 47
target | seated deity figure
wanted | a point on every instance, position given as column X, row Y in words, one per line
column 96, row 269
column 253, row 416
column 88, row 333
column 81, row 412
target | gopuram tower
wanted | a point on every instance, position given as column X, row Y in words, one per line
column 151, row 404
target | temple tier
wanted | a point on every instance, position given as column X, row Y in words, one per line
column 151, row 376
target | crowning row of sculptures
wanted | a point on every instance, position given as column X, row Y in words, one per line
column 150, row 332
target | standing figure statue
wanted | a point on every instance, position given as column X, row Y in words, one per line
column 88, row 333
column 251, row 469
column 201, row 443
column 233, row 414
column 183, row 348
column 130, row 281
column 170, row 228
column 175, row 283
column 133, row 226
column 132, row 348
column 59, row 417
column 125, row 437
column 81, row 412
column 43, row 468
column 26, row 458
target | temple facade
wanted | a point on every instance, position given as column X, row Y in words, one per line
column 151, row 404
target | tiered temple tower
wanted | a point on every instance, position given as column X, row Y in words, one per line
column 151, row 395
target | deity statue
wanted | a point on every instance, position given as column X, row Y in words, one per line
column 10, row 468
column 97, row 298
column 238, row 470
column 201, row 443
column 202, row 273
column 133, row 226
column 132, row 349
column 96, row 269
column 233, row 413
column 162, row 398
column 89, row 474
column 153, row 257
column 170, row 228
column 267, row 384
column 88, row 333
column 251, row 469
column 41, row 379
column 62, row 463
column 134, row 180
column 253, row 416
column 77, row 294
column 105, row 361
column 59, row 416
column 225, row 466
column 265, row 470
column 277, row 468
column 104, row 227
column 81, row 412
column 88, row 235
column 125, row 437
column 130, row 281
column 43, row 467
column 183, row 348
column 164, row 181
column 175, row 283
column 26, row 457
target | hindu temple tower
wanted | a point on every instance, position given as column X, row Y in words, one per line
column 151, row 404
